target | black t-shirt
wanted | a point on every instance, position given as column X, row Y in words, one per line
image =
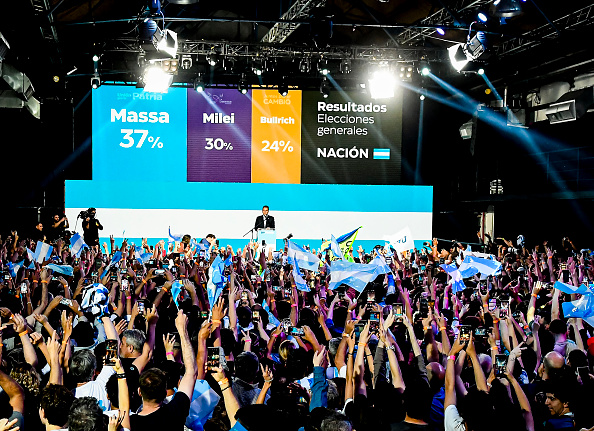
column 405, row 426
column 132, row 377
column 170, row 417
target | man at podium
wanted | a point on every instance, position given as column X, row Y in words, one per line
column 264, row 221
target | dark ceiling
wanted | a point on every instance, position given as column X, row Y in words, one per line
column 549, row 41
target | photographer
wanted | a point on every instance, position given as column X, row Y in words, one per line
column 58, row 227
column 91, row 227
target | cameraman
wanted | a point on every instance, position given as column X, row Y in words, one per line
column 58, row 226
column 91, row 227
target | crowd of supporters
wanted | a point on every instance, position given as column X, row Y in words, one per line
column 138, row 345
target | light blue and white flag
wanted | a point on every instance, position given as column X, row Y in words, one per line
column 204, row 401
column 570, row 289
column 583, row 307
column 457, row 282
column 271, row 317
column 336, row 248
column 117, row 256
column 61, row 269
column 176, row 288
column 229, row 260
column 380, row 263
column 388, row 250
column 216, row 281
column 140, row 256
column 30, row 254
column 300, row 282
column 14, row 267
column 356, row 275
column 472, row 265
column 174, row 237
column 297, row 255
column 43, row 252
column 77, row 243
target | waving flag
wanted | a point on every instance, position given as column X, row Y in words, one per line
column 229, row 260
column 176, row 288
column 77, row 244
column 140, row 256
column 388, row 250
column 457, row 282
column 356, row 275
column 346, row 243
column 43, row 252
column 391, row 284
column 299, row 281
column 174, row 237
column 61, row 269
column 472, row 265
column 216, row 281
column 570, row 289
column 381, row 265
column 401, row 241
column 204, row 401
column 117, row 256
column 271, row 317
column 583, row 307
column 302, row 258
column 14, row 267
column 336, row 248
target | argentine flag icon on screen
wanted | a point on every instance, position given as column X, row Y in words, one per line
column 381, row 153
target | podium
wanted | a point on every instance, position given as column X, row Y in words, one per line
column 268, row 235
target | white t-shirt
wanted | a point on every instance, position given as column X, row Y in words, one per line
column 96, row 389
column 453, row 421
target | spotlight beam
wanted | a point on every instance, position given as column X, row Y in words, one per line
column 488, row 82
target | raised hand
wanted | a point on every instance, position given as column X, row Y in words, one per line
column 168, row 342
column 320, row 358
column 266, row 373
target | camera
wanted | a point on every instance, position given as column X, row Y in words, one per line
column 465, row 331
column 500, row 365
column 295, row 331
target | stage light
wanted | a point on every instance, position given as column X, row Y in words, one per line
column 457, row 56
column 424, row 68
column 186, row 62
column 345, row 66
column 156, row 80
column 95, row 82
column 422, row 97
column 440, row 31
column 283, row 88
column 212, row 58
column 56, row 79
column 323, row 67
column 305, row 65
column 199, row 84
column 325, row 88
column 242, row 86
column 166, row 43
column 481, row 71
column 95, row 58
column 482, row 17
column 382, row 84
column 507, row 8
column 257, row 67
column 170, row 66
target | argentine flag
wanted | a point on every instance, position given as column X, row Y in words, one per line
column 570, row 289
column 140, row 256
column 14, row 267
column 583, row 307
column 472, row 264
column 302, row 258
column 77, row 244
column 457, row 282
column 336, row 248
column 117, row 256
column 61, row 269
column 43, row 252
column 381, row 153
column 356, row 275
column 216, row 281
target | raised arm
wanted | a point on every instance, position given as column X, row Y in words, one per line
column 188, row 380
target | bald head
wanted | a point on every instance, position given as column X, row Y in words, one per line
column 551, row 363
column 435, row 374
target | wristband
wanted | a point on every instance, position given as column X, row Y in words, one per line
column 121, row 376
column 224, row 381
column 293, row 305
column 143, row 281
column 495, row 348
column 274, row 335
column 169, row 353
column 362, row 344
column 550, row 257
column 223, row 389
column 344, row 334
column 268, row 381
column 535, row 295
column 44, row 281
column 442, row 328
column 34, row 281
column 216, row 321
column 273, row 300
column 369, row 355
column 495, row 320
column 425, row 328
column 23, row 333
column 182, row 275
column 526, row 326
column 452, row 357
column 129, row 297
